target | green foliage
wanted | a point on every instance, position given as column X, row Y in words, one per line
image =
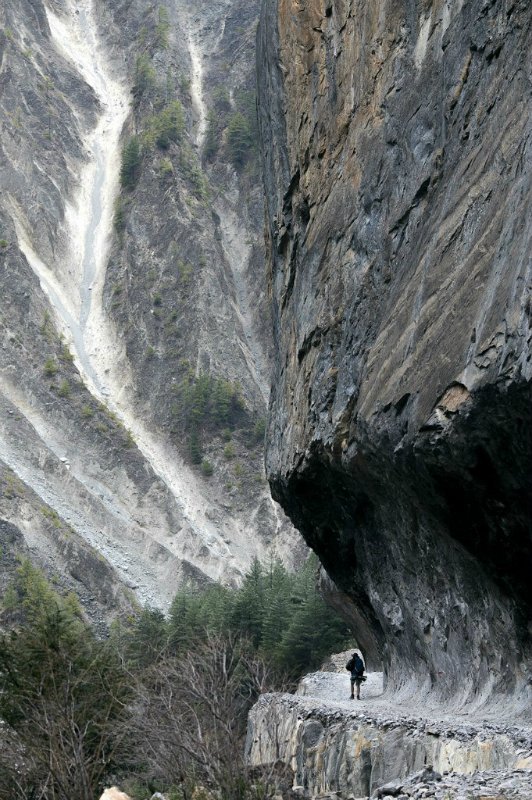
column 281, row 614
column 131, row 162
column 3, row 242
column 66, row 355
column 83, row 711
column 165, row 127
column 194, row 447
column 51, row 367
column 207, row 468
column 163, row 29
column 239, row 138
column 63, row 694
column 192, row 171
column 259, row 430
column 51, row 515
column 145, row 75
column 64, row 389
column 213, row 135
column 148, row 639
column 165, row 168
column 119, row 219
column 229, row 451
column 30, row 591
column 206, row 403
column 184, row 270
column 221, row 99
column 216, row 121
column 11, row 486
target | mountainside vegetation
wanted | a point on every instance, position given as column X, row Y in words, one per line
column 162, row 703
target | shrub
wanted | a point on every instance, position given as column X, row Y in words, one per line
column 144, row 75
column 259, row 430
column 239, row 138
column 66, row 355
column 165, row 168
column 207, row 468
column 213, row 135
column 119, row 219
column 131, row 161
column 50, row 367
column 194, row 447
column 64, row 389
column 229, row 451
column 192, row 172
column 184, row 270
column 165, row 127
column 163, row 29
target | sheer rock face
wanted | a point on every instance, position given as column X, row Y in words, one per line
column 397, row 152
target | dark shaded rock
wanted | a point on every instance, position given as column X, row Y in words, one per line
column 397, row 173
column 390, row 789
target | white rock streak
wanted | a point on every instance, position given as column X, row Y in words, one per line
column 97, row 350
column 196, row 87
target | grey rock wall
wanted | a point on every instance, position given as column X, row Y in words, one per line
column 356, row 754
column 396, row 147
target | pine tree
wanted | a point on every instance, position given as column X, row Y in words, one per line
column 277, row 608
column 131, row 160
column 62, row 694
column 239, row 138
column 148, row 638
column 248, row 611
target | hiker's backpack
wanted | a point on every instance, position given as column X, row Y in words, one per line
column 350, row 664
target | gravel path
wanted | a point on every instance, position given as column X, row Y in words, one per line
column 327, row 694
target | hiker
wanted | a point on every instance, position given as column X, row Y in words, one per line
column 355, row 665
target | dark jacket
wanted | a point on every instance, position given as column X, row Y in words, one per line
column 357, row 667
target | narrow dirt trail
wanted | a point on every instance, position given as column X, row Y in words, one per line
column 332, row 690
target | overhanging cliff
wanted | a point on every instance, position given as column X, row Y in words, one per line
column 397, row 152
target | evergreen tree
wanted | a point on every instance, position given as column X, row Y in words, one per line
column 248, row 611
column 148, row 640
column 131, row 160
column 277, row 608
column 185, row 624
column 239, row 138
column 62, row 694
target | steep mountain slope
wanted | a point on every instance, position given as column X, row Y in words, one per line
column 134, row 361
column 397, row 167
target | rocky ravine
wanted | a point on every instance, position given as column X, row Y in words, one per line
column 397, row 155
column 104, row 322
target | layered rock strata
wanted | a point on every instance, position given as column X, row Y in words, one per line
column 397, row 154
column 358, row 752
